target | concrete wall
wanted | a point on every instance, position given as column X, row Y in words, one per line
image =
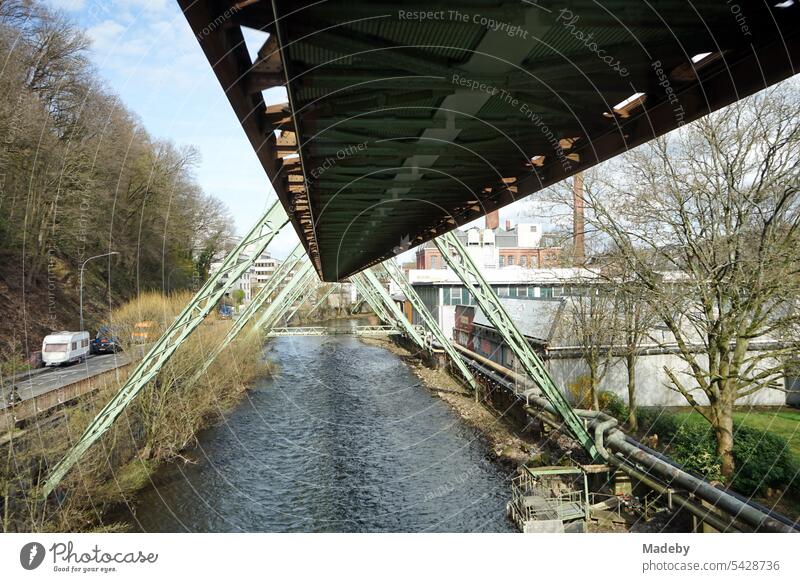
column 652, row 384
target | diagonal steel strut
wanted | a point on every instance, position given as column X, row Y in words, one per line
column 453, row 251
column 391, row 306
column 252, row 308
column 397, row 275
column 204, row 301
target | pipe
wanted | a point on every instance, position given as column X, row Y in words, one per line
column 618, row 442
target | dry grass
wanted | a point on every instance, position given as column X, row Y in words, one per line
column 162, row 422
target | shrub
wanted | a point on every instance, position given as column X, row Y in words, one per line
column 763, row 459
column 612, row 404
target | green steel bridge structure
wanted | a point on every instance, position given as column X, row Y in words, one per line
column 405, row 121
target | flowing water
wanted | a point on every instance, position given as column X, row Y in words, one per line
column 343, row 438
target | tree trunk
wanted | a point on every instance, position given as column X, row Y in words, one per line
column 630, row 363
column 723, row 430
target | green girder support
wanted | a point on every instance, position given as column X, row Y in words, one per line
column 204, row 301
column 392, row 307
column 368, row 295
column 457, row 257
column 252, row 308
column 325, row 295
column 287, row 296
column 397, row 275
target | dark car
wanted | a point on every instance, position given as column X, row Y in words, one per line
column 225, row 311
column 105, row 342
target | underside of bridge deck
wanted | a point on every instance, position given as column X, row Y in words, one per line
column 405, row 120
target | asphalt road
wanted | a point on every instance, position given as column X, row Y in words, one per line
column 40, row 382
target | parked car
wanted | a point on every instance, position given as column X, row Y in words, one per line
column 225, row 311
column 144, row 332
column 65, row 347
column 106, row 341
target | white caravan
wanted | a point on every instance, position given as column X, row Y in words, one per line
column 64, row 347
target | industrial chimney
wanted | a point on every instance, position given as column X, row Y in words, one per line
column 493, row 220
column 577, row 220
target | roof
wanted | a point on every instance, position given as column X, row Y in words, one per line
column 512, row 275
column 400, row 126
column 535, row 318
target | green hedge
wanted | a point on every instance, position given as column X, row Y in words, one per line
column 762, row 458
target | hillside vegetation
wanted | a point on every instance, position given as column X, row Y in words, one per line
column 80, row 176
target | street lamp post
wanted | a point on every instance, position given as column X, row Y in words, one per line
column 81, row 285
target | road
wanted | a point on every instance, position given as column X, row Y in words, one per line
column 39, row 382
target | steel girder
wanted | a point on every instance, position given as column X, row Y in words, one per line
column 288, row 295
column 361, row 330
column 368, row 295
column 391, row 306
column 253, row 307
column 411, row 295
column 322, row 299
column 204, row 301
column 457, row 257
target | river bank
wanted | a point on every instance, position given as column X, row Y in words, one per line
column 510, row 445
column 159, row 426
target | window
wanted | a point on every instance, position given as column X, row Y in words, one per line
column 523, row 261
column 502, row 262
column 522, row 291
column 55, row 347
column 455, row 295
column 74, row 345
column 434, row 261
column 510, row 260
column 502, row 291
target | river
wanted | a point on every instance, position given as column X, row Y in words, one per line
column 343, row 438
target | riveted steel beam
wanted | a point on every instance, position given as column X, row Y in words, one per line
column 391, row 306
column 457, row 257
column 411, row 295
column 204, row 301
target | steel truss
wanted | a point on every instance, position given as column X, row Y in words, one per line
column 397, row 275
column 361, row 330
column 253, row 307
column 368, row 295
column 457, row 257
column 399, row 317
column 204, row 301
column 294, row 288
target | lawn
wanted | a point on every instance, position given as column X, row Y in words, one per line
column 784, row 422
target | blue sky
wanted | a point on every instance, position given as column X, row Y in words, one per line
column 147, row 54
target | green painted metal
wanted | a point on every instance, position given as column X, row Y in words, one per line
column 397, row 275
column 286, row 298
column 456, row 255
column 204, row 301
column 368, row 295
column 322, row 299
column 391, row 306
column 360, row 330
column 253, row 307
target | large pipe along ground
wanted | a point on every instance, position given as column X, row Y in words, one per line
column 610, row 442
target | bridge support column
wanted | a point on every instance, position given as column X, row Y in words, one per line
column 411, row 295
column 457, row 257
column 286, row 298
column 253, row 307
column 204, row 301
column 368, row 294
column 392, row 307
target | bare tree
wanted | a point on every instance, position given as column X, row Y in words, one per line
column 706, row 221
